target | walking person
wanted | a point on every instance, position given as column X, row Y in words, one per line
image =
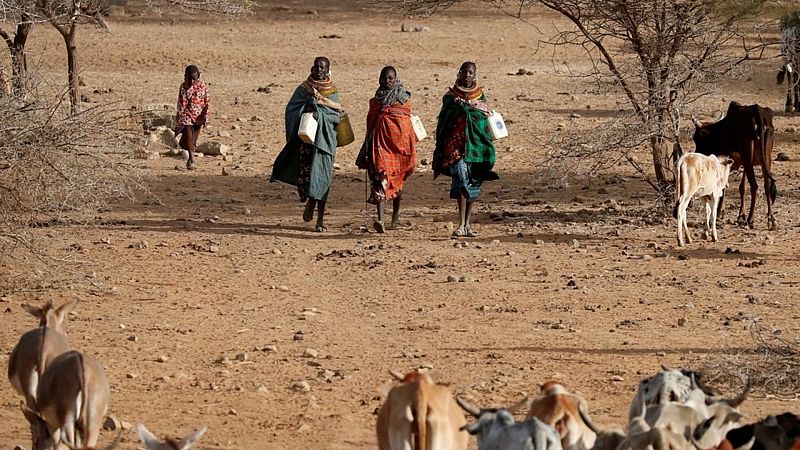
column 388, row 153
column 309, row 166
column 193, row 111
column 464, row 149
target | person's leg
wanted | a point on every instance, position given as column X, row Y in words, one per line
column 378, row 225
column 320, row 217
column 396, row 210
column 462, row 216
column 467, row 217
column 188, row 143
column 308, row 212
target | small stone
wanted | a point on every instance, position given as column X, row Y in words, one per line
column 299, row 336
column 232, row 412
column 276, row 251
column 272, row 348
column 538, row 241
column 574, row 243
column 782, row 157
column 310, row 353
column 574, row 116
column 133, row 338
column 122, row 326
column 283, row 288
column 572, row 283
column 224, row 134
column 558, row 326
column 301, row 386
column 141, row 245
column 465, row 279
column 304, row 428
column 617, row 378
column 112, row 424
column 242, row 357
column 213, row 248
column 261, row 389
column 225, row 172
column 452, row 279
column 681, row 321
column 256, row 119
column 661, row 354
column 131, row 376
column 162, row 359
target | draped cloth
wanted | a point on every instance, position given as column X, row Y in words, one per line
column 462, row 134
column 310, row 166
column 388, row 153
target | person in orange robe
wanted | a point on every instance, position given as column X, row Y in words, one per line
column 388, row 153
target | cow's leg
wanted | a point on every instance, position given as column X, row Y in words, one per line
column 796, row 88
column 720, row 209
column 788, row 107
column 740, row 216
column 769, row 186
column 750, row 173
column 682, row 226
column 714, row 235
column 707, row 205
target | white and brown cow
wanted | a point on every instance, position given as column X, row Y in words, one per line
column 706, row 176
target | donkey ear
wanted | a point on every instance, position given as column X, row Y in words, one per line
column 65, row 309
column 190, row 440
column 35, row 311
column 148, row 440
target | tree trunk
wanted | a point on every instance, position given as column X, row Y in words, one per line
column 657, row 145
column 72, row 67
column 19, row 59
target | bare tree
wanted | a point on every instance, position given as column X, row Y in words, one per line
column 661, row 55
column 17, row 13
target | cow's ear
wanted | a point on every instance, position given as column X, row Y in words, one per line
column 733, row 417
column 472, row 428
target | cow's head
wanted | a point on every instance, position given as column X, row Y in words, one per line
column 702, row 137
column 490, row 421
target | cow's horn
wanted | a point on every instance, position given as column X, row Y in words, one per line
column 692, row 381
column 735, row 402
column 397, row 375
column 466, row 406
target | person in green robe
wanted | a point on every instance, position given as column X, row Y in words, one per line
column 464, row 149
column 309, row 166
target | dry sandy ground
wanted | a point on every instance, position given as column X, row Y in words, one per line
column 379, row 302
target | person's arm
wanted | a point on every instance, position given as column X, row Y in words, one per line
column 206, row 109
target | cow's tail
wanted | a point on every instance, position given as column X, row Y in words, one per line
column 763, row 131
column 84, row 421
column 677, row 188
column 419, row 413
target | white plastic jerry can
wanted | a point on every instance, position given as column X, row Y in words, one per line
column 497, row 127
column 308, row 128
column 419, row 129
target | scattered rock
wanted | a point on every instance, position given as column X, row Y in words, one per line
column 299, row 336
column 213, row 149
column 310, row 353
column 452, row 279
column 301, row 386
column 224, row 134
column 464, row 279
column 538, row 241
column 264, row 90
column 782, row 157
column 681, row 321
column 276, row 251
column 331, row 36
column 574, row 243
column 617, row 378
column 131, row 376
column 272, row 348
column 574, row 116
column 225, row 171
column 242, row 357
column 261, row 389
column 112, row 424
column 141, row 245
column 162, row 359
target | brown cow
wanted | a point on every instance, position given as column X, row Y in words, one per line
column 746, row 135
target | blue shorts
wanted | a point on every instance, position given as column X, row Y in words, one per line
column 461, row 183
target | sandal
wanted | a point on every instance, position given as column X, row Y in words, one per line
column 469, row 233
column 320, row 228
column 459, row 232
column 378, row 225
column 191, row 165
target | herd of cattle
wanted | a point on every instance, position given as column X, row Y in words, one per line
column 672, row 410
column 66, row 391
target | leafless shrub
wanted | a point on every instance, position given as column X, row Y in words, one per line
column 57, row 168
column 772, row 364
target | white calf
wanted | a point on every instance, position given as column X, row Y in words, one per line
column 706, row 176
